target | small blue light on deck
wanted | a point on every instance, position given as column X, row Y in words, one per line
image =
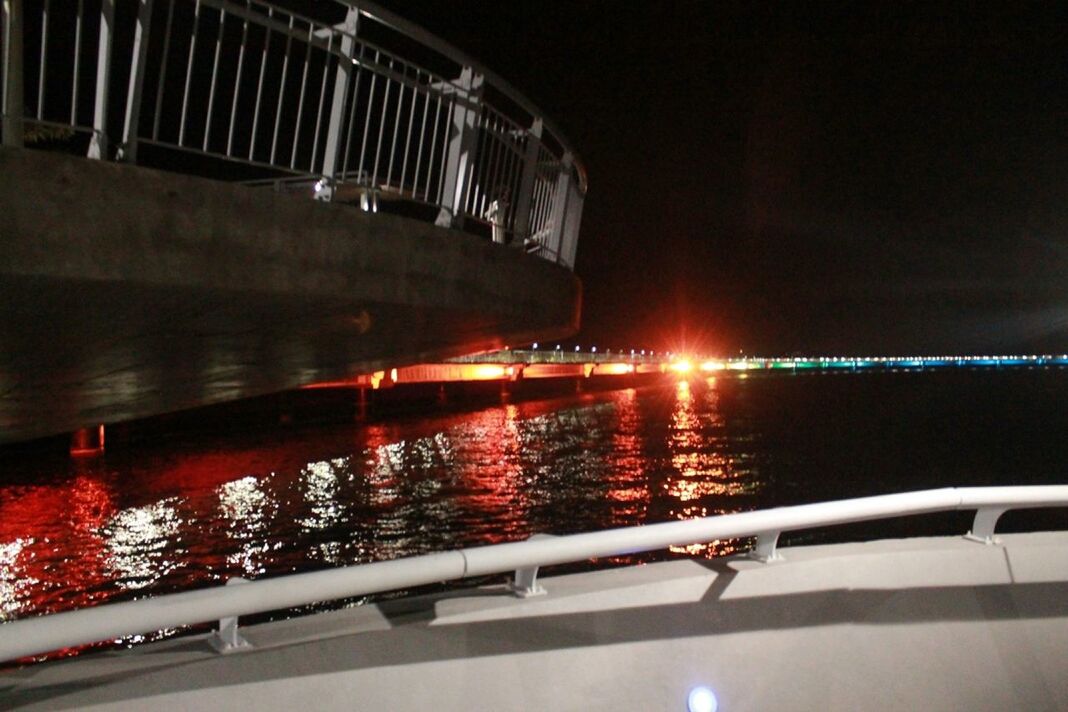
column 701, row 699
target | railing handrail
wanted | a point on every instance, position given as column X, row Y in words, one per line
column 38, row 635
column 420, row 34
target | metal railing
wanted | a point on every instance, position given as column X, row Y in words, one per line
column 42, row 634
column 528, row 356
column 346, row 102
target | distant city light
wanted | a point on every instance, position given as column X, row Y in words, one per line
column 594, row 349
column 535, row 347
column 576, row 348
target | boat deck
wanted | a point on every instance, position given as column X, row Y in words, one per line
column 926, row 623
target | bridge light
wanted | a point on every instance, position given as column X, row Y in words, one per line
column 594, row 349
column 535, row 347
column 683, row 366
column 576, row 347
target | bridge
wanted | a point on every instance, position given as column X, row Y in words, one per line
column 512, row 366
column 204, row 200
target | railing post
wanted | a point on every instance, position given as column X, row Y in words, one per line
column 986, row 519
column 98, row 144
column 325, row 189
column 128, row 150
column 764, row 549
column 463, row 142
column 226, row 638
column 560, row 197
column 570, row 227
column 525, row 582
column 12, row 99
column 521, row 220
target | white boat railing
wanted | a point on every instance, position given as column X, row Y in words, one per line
column 42, row 634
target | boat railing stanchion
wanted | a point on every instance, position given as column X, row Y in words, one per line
column 986, row 518
column 227, row 639
column 764, row 549
column 525, row 582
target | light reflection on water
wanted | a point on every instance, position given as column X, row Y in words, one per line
column 190, row 514
column 160, row 521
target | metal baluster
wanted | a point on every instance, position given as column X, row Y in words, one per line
column 352, row 117
column 300, row 102
column 163, row 71
column 473, row 175
column 430, row 153
column 367, row 116
column 422, row 138
column 44, row 61
column 189, row 73
column 282, row 89
column 443, row 167
column 237, row 81
column 322, row 98
column 214, row 77
column 408, row 137
column 396, row 129
column 78, row 18
column 259, row 86
column 381, row 126
column 12, row 108
column 496, row 186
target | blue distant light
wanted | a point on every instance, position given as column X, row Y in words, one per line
column 701, row 699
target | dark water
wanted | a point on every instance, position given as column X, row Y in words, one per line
column 182, row 515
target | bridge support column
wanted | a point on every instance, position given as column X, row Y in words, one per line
column 87, row 441
column 361, row 404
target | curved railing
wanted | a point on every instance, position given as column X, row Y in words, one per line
column 346, row 102
column 43, row 634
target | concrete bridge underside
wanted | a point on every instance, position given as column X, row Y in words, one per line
column 127, row 292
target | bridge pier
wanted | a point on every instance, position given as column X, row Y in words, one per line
column 87, row 441
column 361, row 404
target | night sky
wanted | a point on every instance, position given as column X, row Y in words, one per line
column 803, row 178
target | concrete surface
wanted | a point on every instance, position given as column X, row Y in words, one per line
column 931, row 624
column 126, row 292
